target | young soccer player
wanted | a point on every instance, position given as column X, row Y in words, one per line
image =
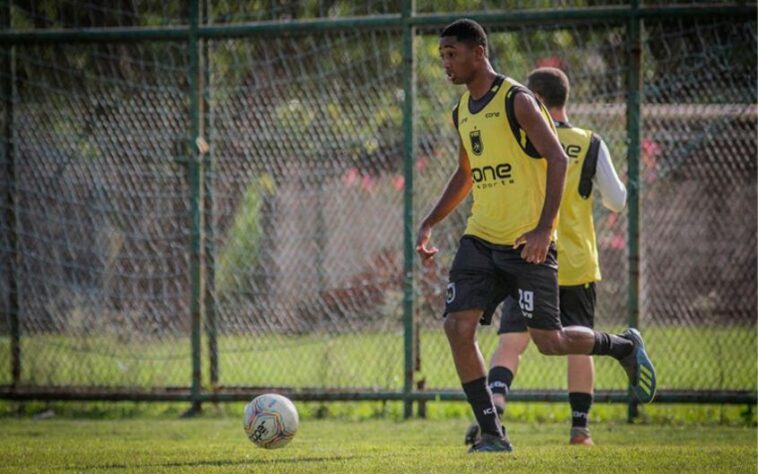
column 510, row 157
column 589, row 167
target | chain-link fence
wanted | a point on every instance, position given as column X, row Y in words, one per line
column 136, row 264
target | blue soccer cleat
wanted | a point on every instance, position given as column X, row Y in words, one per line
column 472, row 434
column 639, row 368
column 488, row 443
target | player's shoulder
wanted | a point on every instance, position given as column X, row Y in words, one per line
column 582, row 132
column 517, row 91
column 511, row 82
column 518, row 96
column 454, row 112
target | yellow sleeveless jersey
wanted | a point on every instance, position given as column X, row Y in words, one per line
column 577, row 247
column 508, row 173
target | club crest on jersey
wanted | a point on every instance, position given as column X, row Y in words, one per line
column 476, row 142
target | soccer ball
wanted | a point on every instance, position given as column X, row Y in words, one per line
column 271, row 421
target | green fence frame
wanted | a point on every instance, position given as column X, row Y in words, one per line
column 202, row 280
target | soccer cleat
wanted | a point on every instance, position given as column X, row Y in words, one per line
column 581, row 440
column 472, row 434
column 639, row 367
column 488, row 443
column 581, row 436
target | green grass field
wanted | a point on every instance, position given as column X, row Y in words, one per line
column 369, row 436
column 685, row 358
column 218, row 444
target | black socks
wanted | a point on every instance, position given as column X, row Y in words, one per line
column 480, row 399
column 500, row 379
column 612, row 345
column 580, row 408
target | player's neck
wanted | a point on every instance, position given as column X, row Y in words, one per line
column 482, row 82
column 559, row 115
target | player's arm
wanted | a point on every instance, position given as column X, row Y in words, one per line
column 455, row 192
column 612, row 190
column 537, row 241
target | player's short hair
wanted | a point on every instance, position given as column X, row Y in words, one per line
column 551, row 84
column 467, row 31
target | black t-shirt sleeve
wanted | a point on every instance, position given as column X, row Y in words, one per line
column 455, row 116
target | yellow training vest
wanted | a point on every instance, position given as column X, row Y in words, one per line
column 577, row 247
column 508, row 174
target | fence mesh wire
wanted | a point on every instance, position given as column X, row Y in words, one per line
column 461, row 6
column 303, row 197
column 307, row 193
column 102, row 217
column 698, row 219
column 229, row 12
column 42, row 14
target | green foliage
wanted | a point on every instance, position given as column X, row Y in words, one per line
column 238, row 257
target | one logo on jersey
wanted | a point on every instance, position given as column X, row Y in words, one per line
column 490, row 173
column 450, row 295
column 572, row 151
column 476, row 142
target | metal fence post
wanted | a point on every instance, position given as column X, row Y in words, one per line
column 211, row 325
column 633, row 129
column 8, row 82
column 409, row 87
column 195, row 167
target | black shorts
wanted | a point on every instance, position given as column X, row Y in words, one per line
column 577, row 309
column 484, row 274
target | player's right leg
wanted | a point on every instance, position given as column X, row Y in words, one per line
column 472, row 296
column 512, row 342
column 460, row 328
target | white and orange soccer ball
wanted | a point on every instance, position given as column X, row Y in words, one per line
column 271, row 421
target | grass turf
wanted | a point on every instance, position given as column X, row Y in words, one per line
column 685, row 358
column 218, row 444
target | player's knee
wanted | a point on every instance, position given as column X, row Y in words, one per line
column 459, row 329
column 547, row 349
column 548, row 346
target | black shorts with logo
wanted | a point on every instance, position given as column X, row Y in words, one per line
column 577, row 305
column 484, row 274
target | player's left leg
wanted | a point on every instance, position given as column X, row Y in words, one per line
column 504, row 365
column 538, row 292
column 628, row 348
column 513, row 339
column 581, row 382
column 578, row 309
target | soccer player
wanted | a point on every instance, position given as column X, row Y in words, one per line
column 509, row 155
column 578, row 270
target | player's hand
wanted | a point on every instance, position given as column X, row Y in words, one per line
column 426, row 253
column 535, row 245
